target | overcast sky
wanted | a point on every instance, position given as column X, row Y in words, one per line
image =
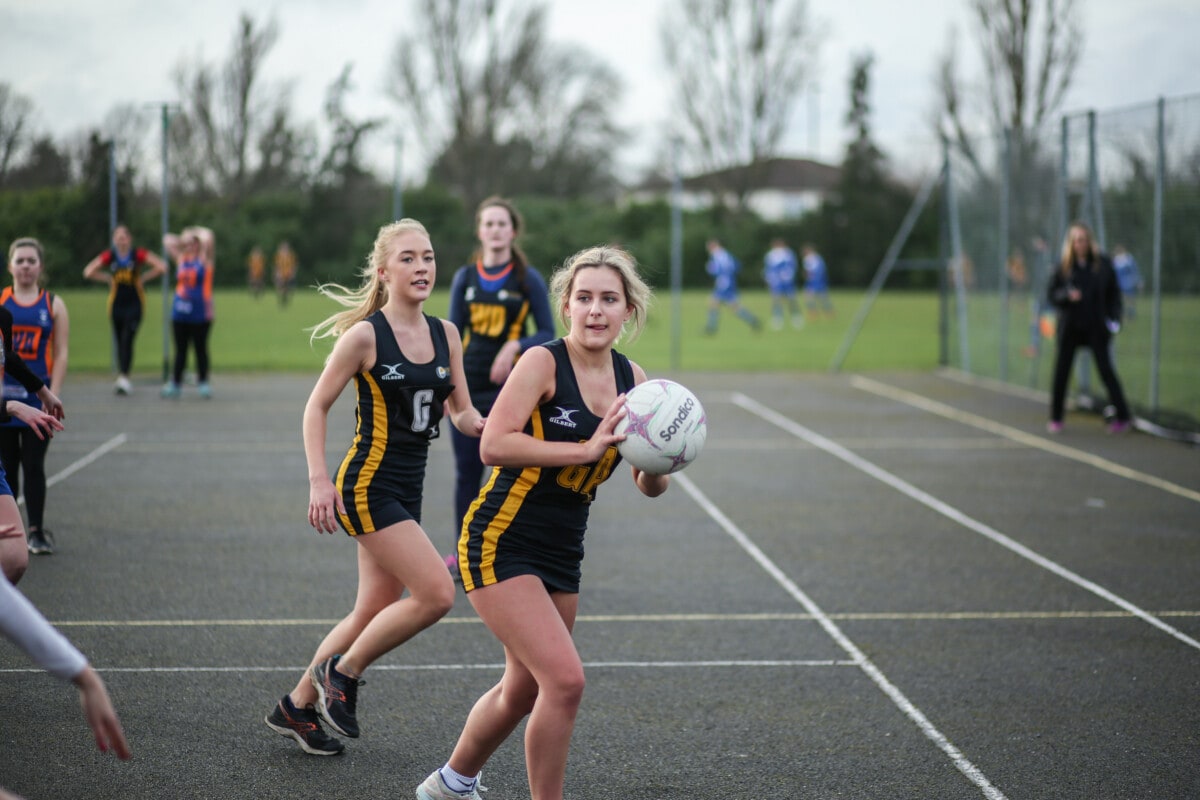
column 76, row 59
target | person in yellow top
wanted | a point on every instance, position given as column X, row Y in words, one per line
column 285, row 271
column 256, row 268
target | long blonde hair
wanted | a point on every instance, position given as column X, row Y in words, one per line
column 637, row 293
column 1068, row 249
column 372, row 294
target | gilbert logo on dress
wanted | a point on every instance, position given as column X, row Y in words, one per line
column 393, row 372
column 564, row 417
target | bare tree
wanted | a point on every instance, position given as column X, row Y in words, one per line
column 497, row 107
column 738, row 70
column 15, row 112
column 343, row 160
column 1030, row 50
column 226, row 112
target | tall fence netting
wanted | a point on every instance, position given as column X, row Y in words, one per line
column 1131, row 174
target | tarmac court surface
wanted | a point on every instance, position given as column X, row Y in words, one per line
column 891, row 585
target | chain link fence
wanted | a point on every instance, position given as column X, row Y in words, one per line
column 1131, row 174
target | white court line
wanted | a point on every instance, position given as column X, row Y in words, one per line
column 79, row 464
column 1018, row 435
column 858, row 657
column 898, row 616
column 926, row 499
column 497, row 667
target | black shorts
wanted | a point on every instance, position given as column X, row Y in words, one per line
column 559, row 571
column 381, row 507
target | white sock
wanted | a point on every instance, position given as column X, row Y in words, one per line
column 455, row 782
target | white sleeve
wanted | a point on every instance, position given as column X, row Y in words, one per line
column 21, row 622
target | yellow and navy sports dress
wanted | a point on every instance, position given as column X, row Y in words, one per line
column 125, row 295
column 491, row 307
column 399, row 408
column 531, row 520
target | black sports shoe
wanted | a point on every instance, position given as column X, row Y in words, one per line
column 338, row 696
column 41, row 543
column 303, row 725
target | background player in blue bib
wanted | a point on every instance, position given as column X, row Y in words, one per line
column 816, row 283
column 779, row 271
column 724, row 269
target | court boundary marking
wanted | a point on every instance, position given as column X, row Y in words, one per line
column 497, row 666
column 859, row 658
column 1016, row 434
column 945, row 509
column 80, row 463
column 850, row 616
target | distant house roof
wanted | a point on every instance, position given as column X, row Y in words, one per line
column 785, row 174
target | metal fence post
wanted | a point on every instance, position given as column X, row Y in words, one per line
column 1005, row 233
column 1160, row 177
column 676, row 258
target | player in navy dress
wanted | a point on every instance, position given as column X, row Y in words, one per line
column 41, row 331
column 494, row 301
column 407, row 370
column 125, row 269
column 194, row 253
column 44, row 421
column 550, row 441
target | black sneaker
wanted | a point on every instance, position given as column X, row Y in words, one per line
column 41, row 543
column 338, row 696
column 304, row 726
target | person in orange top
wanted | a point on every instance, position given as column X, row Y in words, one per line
column 41, row 329
column 256, row 266
column 285, row 271
column 192, row 309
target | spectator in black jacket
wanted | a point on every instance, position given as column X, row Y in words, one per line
column 1085, row 290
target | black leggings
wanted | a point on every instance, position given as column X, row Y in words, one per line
column 1069, row 341
column 22, row 451
column 196, row 335
column 125, row 328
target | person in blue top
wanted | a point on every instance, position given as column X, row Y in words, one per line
column 1129, row 278
column 816, row 283
column 500, row 304
column 193, row 251
column 406, row 367
column 551, row 443
column 41, row 330
column 779, row 271
column 43, row 421
column 724, row 268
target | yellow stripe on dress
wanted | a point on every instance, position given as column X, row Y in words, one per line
column 341, row 480
column 379, row 438
column 362, row 482
column 514, row 331
column 508, row 510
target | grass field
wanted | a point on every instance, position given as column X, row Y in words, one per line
column 254, row 335
column 900, row 333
